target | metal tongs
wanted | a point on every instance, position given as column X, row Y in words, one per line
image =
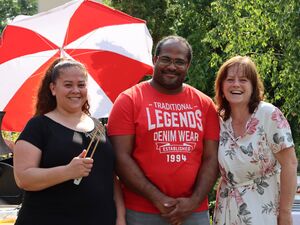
column 96, row 137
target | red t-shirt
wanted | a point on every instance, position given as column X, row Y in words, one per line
column 169, row 132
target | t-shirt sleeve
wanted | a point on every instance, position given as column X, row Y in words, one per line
column 34, row 133
column 120, row 120
column 212, row 126
column 279, row 134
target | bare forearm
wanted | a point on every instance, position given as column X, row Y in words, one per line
column 36, row 179
column 288, row 185
column 204, row 183
column 207, row 177
column 120, row 206
column 208, row 172
column 133, row 177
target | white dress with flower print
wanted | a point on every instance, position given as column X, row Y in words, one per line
column 248, row 191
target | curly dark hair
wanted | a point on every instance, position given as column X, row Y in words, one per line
column 46, row 102
column 249, row 69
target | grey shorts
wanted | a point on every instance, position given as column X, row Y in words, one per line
column 140, row 218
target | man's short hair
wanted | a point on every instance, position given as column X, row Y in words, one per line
column 178, row 38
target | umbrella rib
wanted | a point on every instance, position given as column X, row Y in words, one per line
column 83, row 53
column 44, row 40
column 86, row 38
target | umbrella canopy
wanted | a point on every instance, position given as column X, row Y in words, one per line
column 115, row 47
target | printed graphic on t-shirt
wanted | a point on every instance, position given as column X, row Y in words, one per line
column 176, row 128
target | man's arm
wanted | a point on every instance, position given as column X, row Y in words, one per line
column 132, row 176
column 206, row 178
column 119, row 201
column 208, row 172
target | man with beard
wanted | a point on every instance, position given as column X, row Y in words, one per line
column 165, row 134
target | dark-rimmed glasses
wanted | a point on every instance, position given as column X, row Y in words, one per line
column 166, row 61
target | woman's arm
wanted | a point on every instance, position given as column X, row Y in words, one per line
column 30, row 177
column 10, row 144
column 121, row 211
column 288, row 183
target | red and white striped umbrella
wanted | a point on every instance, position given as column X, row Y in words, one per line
column 115, row 47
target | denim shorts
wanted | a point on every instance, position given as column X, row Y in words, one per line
column 140, row 218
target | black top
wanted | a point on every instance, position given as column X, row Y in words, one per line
column 91, row 202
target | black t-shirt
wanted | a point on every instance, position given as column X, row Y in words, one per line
column 91, row 202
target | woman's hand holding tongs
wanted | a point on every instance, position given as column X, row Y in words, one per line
column 81, row 166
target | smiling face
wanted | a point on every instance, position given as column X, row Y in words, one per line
column 70, row 89
column 171, row 67
column 237, row 82
column 237, row 88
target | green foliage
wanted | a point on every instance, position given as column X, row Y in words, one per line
column 268, row 32
column 12, row 136
column 160, row 15
column 11, row 8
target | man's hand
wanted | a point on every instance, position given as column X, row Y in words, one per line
column 183, row 209
column 165, row 204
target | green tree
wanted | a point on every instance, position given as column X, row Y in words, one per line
column 269, row 33
column 11, row 8
column 160, row 15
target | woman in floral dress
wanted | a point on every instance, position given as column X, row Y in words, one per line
column 256, row 152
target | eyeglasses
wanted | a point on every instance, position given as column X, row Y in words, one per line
column 166, row 61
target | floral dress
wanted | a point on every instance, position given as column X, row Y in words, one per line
column 248, row 191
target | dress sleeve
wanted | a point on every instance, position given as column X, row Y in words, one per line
column 120, row 120
column 34, row 132
column 279, row 134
